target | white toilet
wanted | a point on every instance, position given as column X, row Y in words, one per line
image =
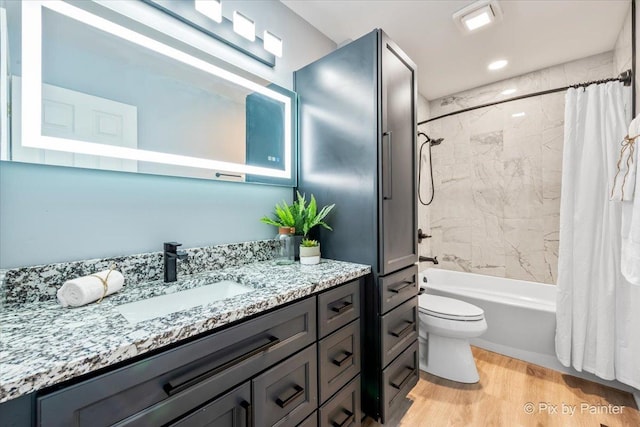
column 446, row 325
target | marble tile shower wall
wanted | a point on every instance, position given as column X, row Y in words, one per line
column 622, row 52
column 497, row 177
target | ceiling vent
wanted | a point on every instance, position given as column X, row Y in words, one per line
column 477, row 15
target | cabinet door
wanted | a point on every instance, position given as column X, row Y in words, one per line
column 398, row 223
column 398, row 379
column 397, row 288
column 231, row 410
column 338, row 359
column 159, row 389
column 399, row 329
column 343, row 410
column 287, row 393
column 338, row 307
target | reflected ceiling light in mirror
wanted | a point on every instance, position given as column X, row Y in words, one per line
column 478, row 15
column 198, row 14
column 212, row 9
column 31, row 126
column 509, row 91
column 244, row 26
column 273, row 43
column 517, row 115
column 498, row 65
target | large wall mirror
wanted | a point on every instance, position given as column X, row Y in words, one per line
column 87, row 91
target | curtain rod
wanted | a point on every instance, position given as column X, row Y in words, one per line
column 624, row 77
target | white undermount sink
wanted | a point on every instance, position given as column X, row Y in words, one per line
column 162, row 305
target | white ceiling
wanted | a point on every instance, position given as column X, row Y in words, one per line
column 534, row 34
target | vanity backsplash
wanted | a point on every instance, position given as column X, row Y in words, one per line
column 40, row 283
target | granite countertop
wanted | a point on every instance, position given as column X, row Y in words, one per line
column 42, row 343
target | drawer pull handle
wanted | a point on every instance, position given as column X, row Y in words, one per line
column 405, row 284
column 176, row 386
column 406, row 330
column 246, row 406
column 405, row 381
column 346, row 305
column 299, row 391
column 347, row 358
column 347, row 421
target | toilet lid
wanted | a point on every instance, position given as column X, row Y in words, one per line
column 449, row 308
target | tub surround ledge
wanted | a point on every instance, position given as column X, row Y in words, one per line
column 42, row 343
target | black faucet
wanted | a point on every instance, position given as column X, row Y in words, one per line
column 171, row 256
column 428, row 259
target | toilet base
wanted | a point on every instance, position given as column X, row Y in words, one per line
column 448, row 358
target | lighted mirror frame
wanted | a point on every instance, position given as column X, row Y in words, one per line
column 32, row 94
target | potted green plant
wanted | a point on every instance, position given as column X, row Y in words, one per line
column 301, row 216
column 309, row 252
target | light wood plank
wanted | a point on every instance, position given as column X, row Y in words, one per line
column 506, row 386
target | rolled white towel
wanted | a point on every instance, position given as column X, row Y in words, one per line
column 87, row 289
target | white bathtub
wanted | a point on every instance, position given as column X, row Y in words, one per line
column 521, row 316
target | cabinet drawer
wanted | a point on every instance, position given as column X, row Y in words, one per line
column 338, row 359
column 343, row 409
column 399, row 378
column 338, row 307
column 398, row 287
column 287, row 393
column 174, row 382
column 399, row 329
column 231, row 410
column 311, row 421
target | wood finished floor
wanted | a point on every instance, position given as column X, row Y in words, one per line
column 506, row 386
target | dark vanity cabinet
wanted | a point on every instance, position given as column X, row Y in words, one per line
column 295, row 365
column 357, row 149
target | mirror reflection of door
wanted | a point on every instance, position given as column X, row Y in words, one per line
column 75, row 115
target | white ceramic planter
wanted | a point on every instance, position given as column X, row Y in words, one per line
column 310, row 255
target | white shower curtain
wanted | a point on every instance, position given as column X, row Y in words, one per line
column 598, row 311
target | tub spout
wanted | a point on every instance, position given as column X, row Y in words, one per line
column 434, row 260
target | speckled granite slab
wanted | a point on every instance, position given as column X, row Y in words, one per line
column 42, row 343
column 40, row 283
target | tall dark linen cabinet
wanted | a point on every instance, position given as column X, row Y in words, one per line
column 357, row 124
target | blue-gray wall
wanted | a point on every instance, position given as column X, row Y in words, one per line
column 52, row 214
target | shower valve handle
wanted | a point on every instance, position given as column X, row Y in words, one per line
column 422, row 235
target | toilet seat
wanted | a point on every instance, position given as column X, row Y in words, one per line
column 449, row 308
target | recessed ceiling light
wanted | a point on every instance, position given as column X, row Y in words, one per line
column 520, row 114
column 496, row 65
column 210, row 8
column 508, row 91
column 477, row 15
column 244, row 26
column 273, row 43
